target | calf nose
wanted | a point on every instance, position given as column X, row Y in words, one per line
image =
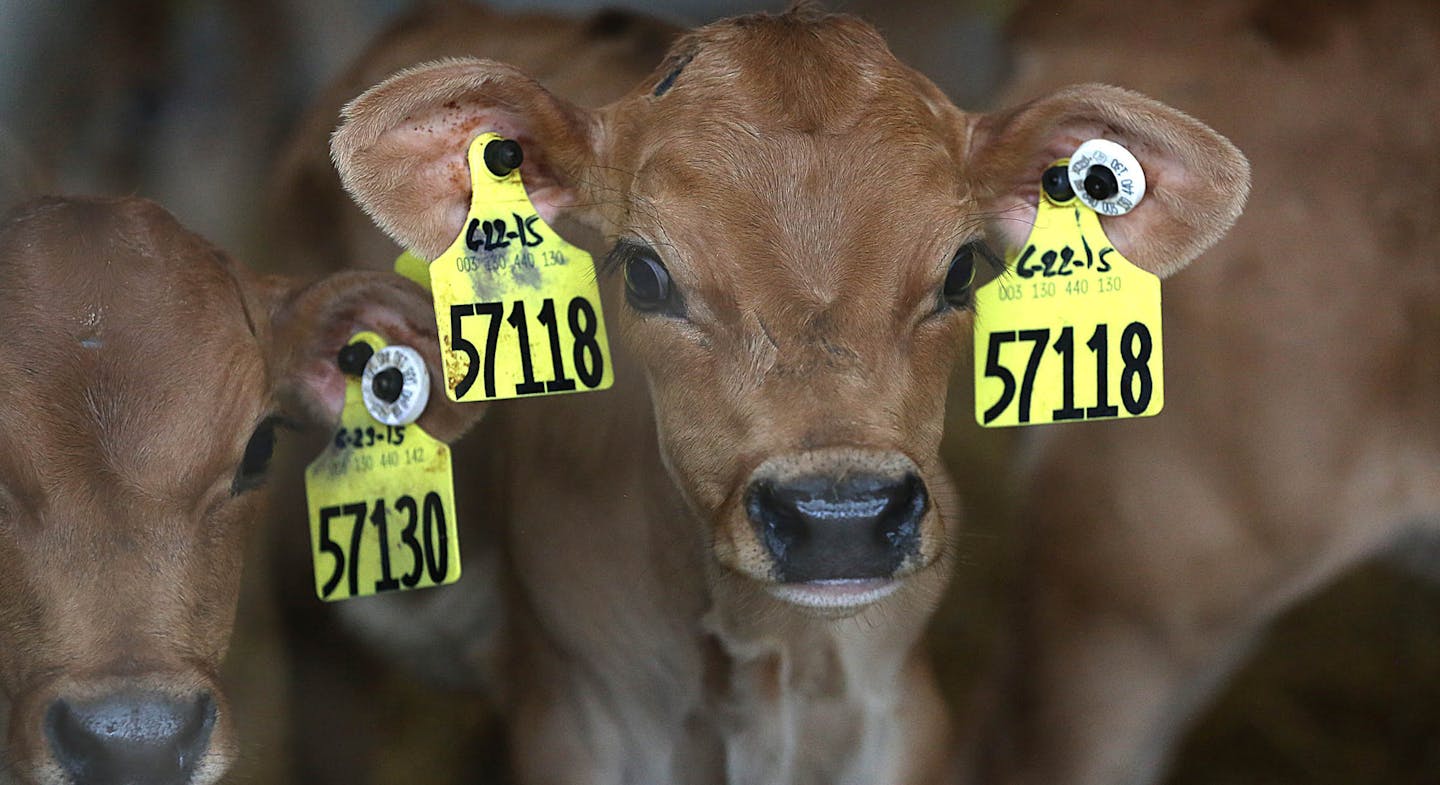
column 823, row 527
column 130, row 738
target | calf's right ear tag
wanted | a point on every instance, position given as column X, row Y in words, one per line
column 1071, row 332
column 381, row 496
column 517, row 308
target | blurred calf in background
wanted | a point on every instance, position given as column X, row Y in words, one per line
column 448, row 637
column 1301, row 434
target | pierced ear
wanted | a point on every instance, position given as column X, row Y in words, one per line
column 312, row 324
column 401, row 146
column 1196, row 180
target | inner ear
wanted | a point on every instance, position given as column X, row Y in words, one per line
column 317, row 320
column 1196, row 179
column 312, row 322
column 401, row 147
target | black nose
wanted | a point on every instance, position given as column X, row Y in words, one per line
column 824, row 527
column 130, row 738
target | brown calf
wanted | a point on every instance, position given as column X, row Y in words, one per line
column 723, row 565
column 145, row 372
column 1302, row 432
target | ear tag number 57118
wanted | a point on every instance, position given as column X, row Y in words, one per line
column 1071, row 332
column 516, row 307
column 382, row 504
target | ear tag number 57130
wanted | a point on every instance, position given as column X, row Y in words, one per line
column 382, row 504
column 1071, row 332
column 516, row 307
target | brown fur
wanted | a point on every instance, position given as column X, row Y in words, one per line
column 590, row 61
column 806, row 192
column 138, row 360
column 1301, row 433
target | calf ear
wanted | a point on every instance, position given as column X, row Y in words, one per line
column 311, row 323
column 401, row 146
column 1196, row 180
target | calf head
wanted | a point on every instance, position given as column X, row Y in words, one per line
column 144, row 374
column 799, row 223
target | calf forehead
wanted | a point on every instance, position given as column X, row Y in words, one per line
column 126, row 342
column 807, row 219
column 129, row 252
column 799, row 71
column 794, row 157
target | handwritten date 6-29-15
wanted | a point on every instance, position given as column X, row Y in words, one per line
column 370, row 436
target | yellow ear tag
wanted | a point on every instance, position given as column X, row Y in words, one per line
column 516, row 307
column 1071, row 331
column 382, row 505
column 414, row 268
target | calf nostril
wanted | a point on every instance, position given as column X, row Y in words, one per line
column 899, row 524
column 130, row 737
column 782, row 528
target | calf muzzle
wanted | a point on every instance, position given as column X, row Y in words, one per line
column 845, row 526
column 131, row 737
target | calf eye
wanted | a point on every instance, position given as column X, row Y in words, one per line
column 647, row 282
column 959, row 280
column 257, row 458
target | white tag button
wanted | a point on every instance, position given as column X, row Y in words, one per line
column 1106, row 177
column 396, row 385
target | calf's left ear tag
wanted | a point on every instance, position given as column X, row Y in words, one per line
column 381, row 496
column 1071, row 332
column 517, row 308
